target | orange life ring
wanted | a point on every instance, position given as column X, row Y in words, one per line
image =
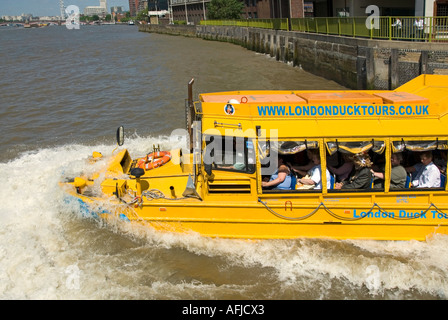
column 154, row 160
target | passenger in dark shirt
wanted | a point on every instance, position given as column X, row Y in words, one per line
column 397, row 174
column 362, row 177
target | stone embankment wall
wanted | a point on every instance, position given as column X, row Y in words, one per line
column 351, row 62
column 171, row 29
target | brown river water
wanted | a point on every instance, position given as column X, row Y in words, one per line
column 64, row 92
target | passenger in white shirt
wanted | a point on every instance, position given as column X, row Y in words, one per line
column 315, row 174
column 428, row 175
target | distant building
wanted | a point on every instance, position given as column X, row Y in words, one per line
column 158, row 17
column 49, row 18
column 100, row 10
column 27, row 16
column 193, row 11
column 116, row 9
column 441, row 8
column 9, row 18
column 196, row 10
column 158, row 5
column 22, row 18
column 135, row 6
column 339, row 8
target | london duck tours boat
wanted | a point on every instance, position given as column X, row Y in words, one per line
column 254, row 167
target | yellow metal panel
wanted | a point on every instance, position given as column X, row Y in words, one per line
column 340, row 98
column 254, row 97
column 401, row 97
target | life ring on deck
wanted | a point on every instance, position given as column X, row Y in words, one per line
column 154, row 160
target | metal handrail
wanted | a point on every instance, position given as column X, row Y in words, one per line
column 434, row 28
column 389, row 28
column 276, row 24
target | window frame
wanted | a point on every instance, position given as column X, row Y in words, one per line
column 250, row 168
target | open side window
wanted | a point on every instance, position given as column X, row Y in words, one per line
column 351, row 162
column 283, row 162
column 424, row 162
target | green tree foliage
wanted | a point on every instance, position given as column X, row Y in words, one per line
column 224, row 9
column 142, row 15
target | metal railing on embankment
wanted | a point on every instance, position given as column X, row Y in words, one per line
column 275, row 24
column 429, row 29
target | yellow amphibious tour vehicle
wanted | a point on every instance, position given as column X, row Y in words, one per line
column 289, row 164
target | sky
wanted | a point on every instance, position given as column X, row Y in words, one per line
column 50, row 7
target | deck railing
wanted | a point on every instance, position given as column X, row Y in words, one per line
column 276, row 24
column 387, row 28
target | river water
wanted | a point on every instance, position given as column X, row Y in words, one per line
column 64, row 93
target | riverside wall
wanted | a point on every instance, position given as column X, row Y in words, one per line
column 352, row 62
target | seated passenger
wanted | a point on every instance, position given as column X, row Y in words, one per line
column 397, row 174
column 414, row 159
column 240, row 166
column 362, row 177
column 281, row 179
column 302, row 170
column 440, row 162
column 315, row 174
column 429, row 175
column 343, row 172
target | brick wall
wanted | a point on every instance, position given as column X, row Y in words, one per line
column 297, row 9
column 264, row 9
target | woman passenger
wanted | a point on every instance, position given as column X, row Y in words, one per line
column 281, row 179
column 343, row 172
column 362, row 178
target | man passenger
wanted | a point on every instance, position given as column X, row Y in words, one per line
column 397, row 174
column 428, row 175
